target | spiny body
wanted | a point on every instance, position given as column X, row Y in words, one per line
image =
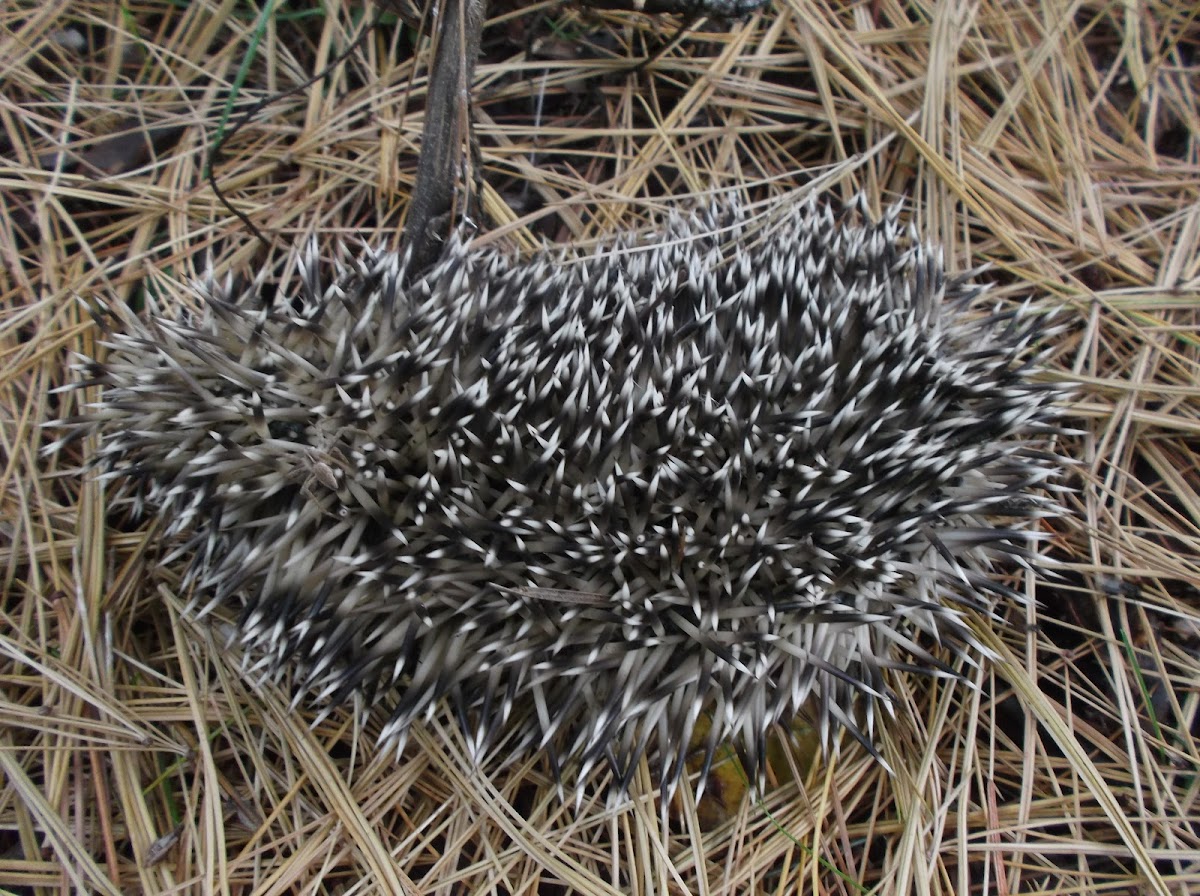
column 734, row 471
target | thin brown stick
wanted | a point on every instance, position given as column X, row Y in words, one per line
column 431, row 211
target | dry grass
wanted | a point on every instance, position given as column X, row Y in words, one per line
column 1058, row 142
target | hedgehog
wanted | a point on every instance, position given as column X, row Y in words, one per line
column 712, row 479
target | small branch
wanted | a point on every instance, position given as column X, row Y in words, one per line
column 431, row 213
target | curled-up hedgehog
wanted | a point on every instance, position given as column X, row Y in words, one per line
column 737, row 471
